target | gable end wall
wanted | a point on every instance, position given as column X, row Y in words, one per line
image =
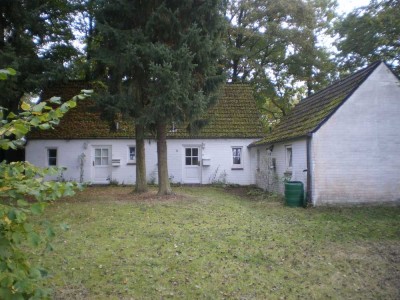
column 356, row 153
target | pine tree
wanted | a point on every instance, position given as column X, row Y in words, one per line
column 121, row 55
column 162, row 61
column 184, row 71
column 34, row 39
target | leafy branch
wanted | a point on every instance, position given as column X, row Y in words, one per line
column 25, row 193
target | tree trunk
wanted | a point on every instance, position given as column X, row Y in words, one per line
column 164, row 187
column 141, row 182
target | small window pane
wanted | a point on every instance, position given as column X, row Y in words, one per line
column 236, row 160
column 132, row 153
column 237, row 156
column 52, row 152
column 195, row 152
column 97, row 161
column 289, row 157
column 188, row 152
column 52, row 157
column 195, row 161
column 188, row 161
column 105, row 153
column 97, row 152
column 104, row 161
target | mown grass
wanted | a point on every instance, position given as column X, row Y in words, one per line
column 207, row 243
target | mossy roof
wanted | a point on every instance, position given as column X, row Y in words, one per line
column 235, row 115
column 310, row 113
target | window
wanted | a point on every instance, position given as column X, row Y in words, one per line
column 289, row 157
column 237, row 159
column 191, row 156
column 131, row 154
column 52, row 156
column 101, row 157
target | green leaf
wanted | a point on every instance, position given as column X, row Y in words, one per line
column 25, row 106
column 28, row 227
column 39, row 107
column 33, row 238
column 35, row 121
column 72, row 103
column 11, row 115
column 44, row 126
column 37, row 208
column 21, row 129
column 56, row 100
column 22, row 203
column 11, row 71
column 87, row 92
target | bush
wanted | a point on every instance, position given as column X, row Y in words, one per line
column 23, row 193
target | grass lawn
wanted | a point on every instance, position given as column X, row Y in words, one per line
column 211, row 243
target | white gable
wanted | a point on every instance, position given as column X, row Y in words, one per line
column 356, row 153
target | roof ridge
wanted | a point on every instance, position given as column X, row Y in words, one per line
column 371, row 67
column 312, row 112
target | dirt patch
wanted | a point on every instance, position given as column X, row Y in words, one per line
column 77, row 292
column 149, row 197
column 122, row 194
column 252, row 193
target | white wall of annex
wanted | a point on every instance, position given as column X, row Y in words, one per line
column 356, row 153
column 272, row 179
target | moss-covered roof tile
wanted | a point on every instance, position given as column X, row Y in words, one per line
column 310, row 113
column 235, row 115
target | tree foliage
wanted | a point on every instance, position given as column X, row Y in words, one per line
column 369, row 34
column 24, row 193
column 34, row 37
column 274, row 45
column 161, row 62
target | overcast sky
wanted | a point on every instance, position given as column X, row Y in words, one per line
column 346, row 6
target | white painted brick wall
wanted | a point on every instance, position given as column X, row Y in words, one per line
column 356, row 154
column 219, row 150
column 273, row 182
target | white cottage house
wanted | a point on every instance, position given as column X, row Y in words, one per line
column 342, row 142
column 91, row 150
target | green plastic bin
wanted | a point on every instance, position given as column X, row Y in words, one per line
column 294, row 193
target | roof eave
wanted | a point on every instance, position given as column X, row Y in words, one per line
column 268, row 143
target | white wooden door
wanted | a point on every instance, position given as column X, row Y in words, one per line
column 192, row 165
column 101, row 162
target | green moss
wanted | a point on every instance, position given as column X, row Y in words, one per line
column 314, row 110
column 234, row 116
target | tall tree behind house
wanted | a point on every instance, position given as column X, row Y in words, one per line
column 369, row 34
column 274, row 45
column 161, row 61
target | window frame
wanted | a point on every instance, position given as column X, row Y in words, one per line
column 289, row 158
column 102, row 157
column 237, row 166
column 193, row 158
column 131, row 161
column 48, row 149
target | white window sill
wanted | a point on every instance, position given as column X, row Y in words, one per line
column 237, row 167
